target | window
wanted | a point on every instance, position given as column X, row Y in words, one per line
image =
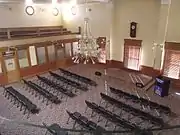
column 32, row 52
column 68, row 50
column 41, row 54
column 51, row 52
column 23, row 60
column 75, row 48
column 60, row 51
column 132, row 57
column 172, row 64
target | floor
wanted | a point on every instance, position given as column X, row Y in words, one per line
column 57, row 113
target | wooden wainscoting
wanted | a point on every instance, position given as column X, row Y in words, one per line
column 3, row 79
column 42, row 68
column 150, row 71
column 31, row 71
column 114, row 64
column 144, row 69
column 66, row 62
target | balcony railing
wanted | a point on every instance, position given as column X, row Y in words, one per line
column 32, row 32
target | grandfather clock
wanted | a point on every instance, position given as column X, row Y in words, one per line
column 133, row 27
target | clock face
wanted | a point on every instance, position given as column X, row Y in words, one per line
column 29, row 10
column 133, row 27
column 55, row 11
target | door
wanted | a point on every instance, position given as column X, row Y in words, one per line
column 11, row 66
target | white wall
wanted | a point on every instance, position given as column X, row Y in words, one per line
column 173, row 31
column 145, row 13
column 106, row 19
column 14, row 15
column 100, row 19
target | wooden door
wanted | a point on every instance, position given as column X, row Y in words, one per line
column 11, row 66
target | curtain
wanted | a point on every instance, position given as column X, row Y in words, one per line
column 172, row 64
column 132, row 57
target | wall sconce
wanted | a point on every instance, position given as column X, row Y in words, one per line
column 62, row 45
column 41, row 9
column 155, row 45
column 29, row 10
column 74, row 10
column 55, row 11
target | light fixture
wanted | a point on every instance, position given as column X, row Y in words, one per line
column 88, row 49
column 55, row 11
column 74, row 10
column 30, row 10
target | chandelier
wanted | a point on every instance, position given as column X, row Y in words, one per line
column 88, row 49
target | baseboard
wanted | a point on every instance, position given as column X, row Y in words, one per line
column 150, row 71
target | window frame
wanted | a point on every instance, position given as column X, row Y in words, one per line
column 172, row 63
column 132, row 43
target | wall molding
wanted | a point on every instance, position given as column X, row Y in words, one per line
column 132, row 42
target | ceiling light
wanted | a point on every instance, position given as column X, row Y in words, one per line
column 88, row 51
column 29, row 10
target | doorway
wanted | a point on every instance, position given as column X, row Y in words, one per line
column 11, row 66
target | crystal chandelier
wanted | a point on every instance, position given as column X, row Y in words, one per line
column 88, row 49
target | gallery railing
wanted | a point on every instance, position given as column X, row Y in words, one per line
column 8, row 126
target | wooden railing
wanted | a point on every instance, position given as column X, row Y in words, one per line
column 32, row 32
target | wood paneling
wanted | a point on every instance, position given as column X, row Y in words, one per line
column 114, row 64
column 3, row 79
column 144, row 69
column 172, row 46
column 31, row 71
column 66, row 62
column 150, row 71
column 132, row 42
column 37, row 69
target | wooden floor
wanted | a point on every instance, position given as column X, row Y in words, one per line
column 57, row 113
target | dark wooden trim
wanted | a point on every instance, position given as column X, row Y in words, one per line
column 28, row 56
column 72, row 49
column 132, row 42
column 37, row 59
column 150, row 71
column 69, row 40
column 45, row 43
column 165, row 54
column 172, row 46
column 46, row 54
column 3, row 79
column 42, row 44
column 114, row 64
column 31, row 71
column 37, row 27
column 33, row 32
